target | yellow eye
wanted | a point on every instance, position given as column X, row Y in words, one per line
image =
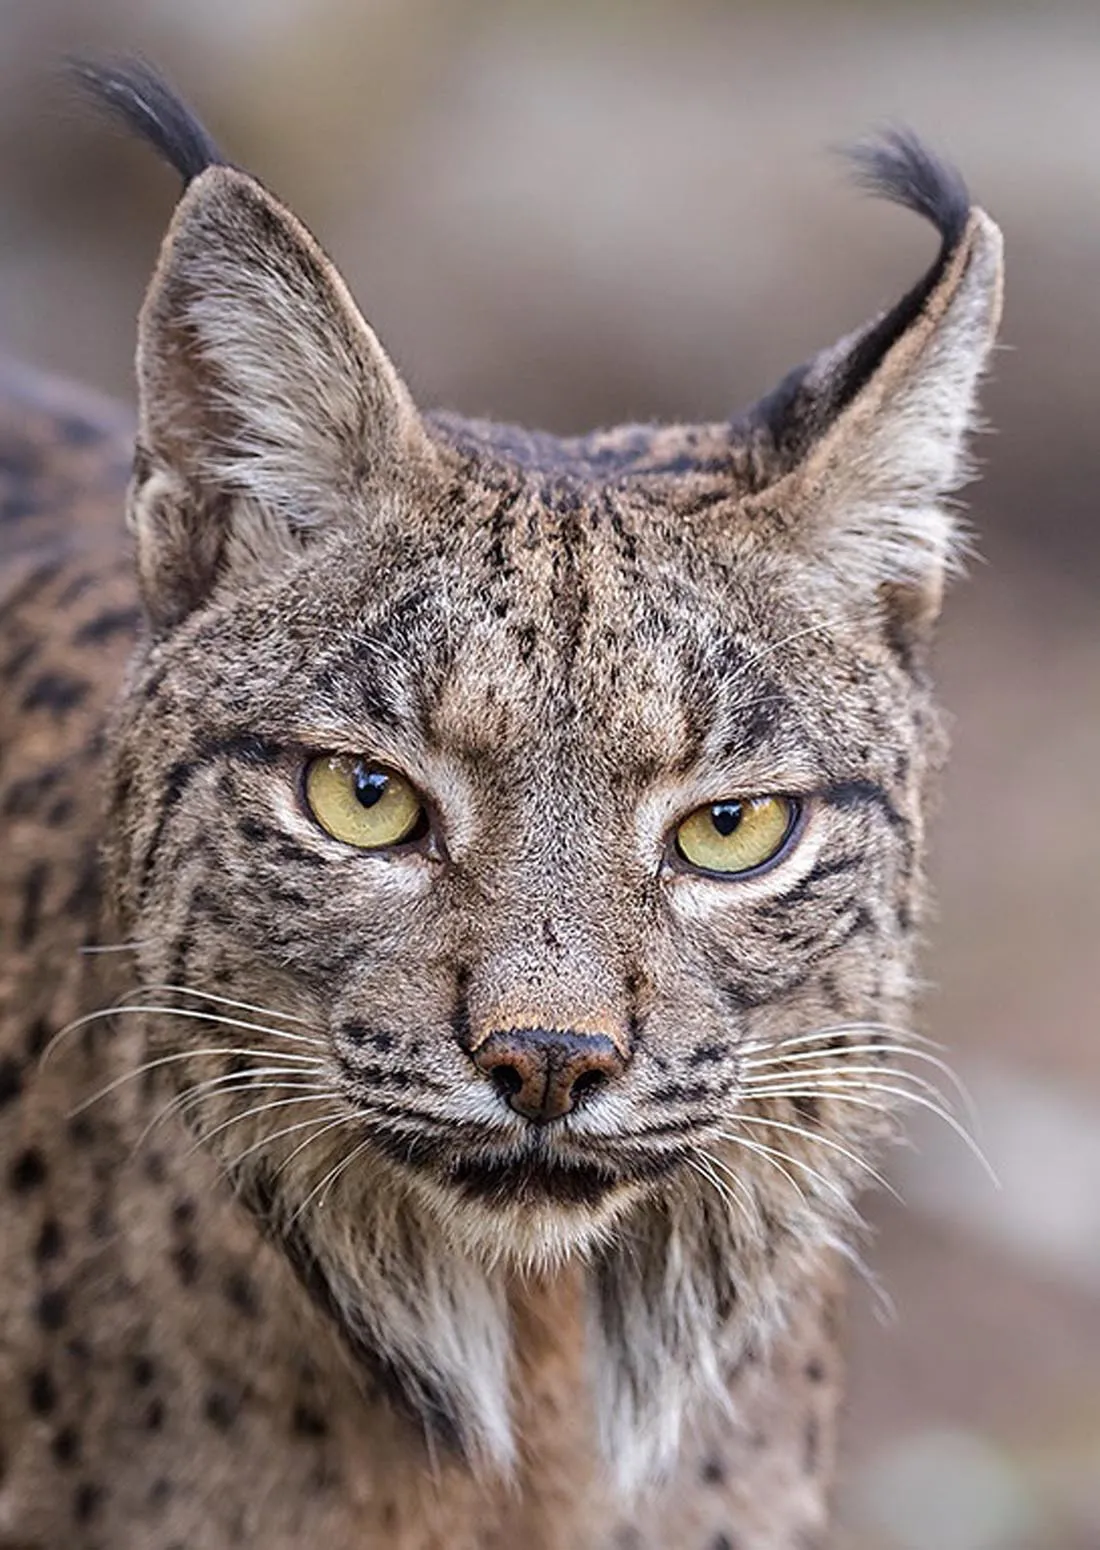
column 362, row 804
column 734, row 837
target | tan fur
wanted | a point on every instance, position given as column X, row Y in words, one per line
column 417, row 1322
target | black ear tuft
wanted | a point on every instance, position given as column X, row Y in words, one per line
column 141, row 98
column 899, row 167
column 896, row 166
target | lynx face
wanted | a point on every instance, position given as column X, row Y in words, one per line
column 559, row 689
column 541, row 819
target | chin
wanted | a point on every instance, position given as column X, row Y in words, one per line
column 530, row 1208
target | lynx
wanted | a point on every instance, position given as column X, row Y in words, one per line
column 461, row 889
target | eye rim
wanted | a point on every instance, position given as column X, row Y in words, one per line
column 422, row 839
column 799, row 806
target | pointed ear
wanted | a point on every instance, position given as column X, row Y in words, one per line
column 869, row 438
column 267, row 405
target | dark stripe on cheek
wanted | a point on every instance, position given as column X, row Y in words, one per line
column 256, row 751
column 866, row 793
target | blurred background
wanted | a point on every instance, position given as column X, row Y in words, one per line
column 572, row 213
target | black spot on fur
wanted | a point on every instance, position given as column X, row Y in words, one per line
column 34, row 886
column 42, row 1392
column 811, row 1445
column 24, row 795
column 186, row 1260
column 79, row 1351
column 86, row 1501
column 50, row 1242
column 307, row 1423
column 84, row 894
column 82, row 1131
column 160, row 1492
column 142, row 1371
column 708, row 1055
column 60, row 812
column 220, row 1409
column 460, row 1014
column 241, row 1293
column 153, row 1419
column 28, row 1171
column 51, row 1310
column 713, row 1472
column 11, row 1081
column 65, row 1446
column 113, row 621
column 75, row 431
column 21, row 657
column 55, row 692
column 723, row 1542
column 183, row 1211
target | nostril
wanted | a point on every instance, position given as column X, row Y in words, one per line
column 588, row 1082
column 506, row 1080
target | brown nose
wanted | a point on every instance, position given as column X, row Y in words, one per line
column 542, row 1072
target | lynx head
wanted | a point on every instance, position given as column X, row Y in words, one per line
column 547, row 813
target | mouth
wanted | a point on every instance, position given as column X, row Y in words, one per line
column 531, row 1180
column 535, row 1172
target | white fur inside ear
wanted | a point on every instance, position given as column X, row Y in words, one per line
column 289, row 395
column 257, row 373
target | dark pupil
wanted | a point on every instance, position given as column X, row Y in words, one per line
column 370, row 785
column 725, row 816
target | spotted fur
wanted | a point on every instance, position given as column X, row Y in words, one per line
column 280, row 1265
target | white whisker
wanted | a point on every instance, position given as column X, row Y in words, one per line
column 184, row 1012
column 768, row 1153
column 896, row 1073
column 820, row 1140
column 795, row 1162
column 884, row 1049
column 243, row 1006
column 262, row 1108
column 700, row 1163
column 167, row 1060
column 843, row 1094
column 330, row 1179
column 835, row 1030
column 229, row 1082
column 334, row 1122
